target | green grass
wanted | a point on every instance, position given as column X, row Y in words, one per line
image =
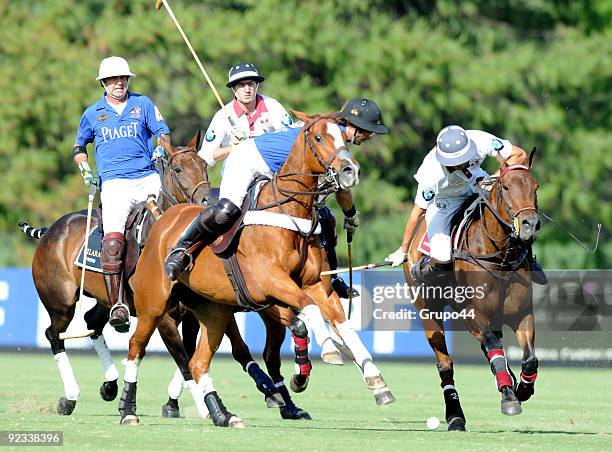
column 570, row 410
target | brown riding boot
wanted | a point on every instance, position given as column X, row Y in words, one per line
column 113, row 248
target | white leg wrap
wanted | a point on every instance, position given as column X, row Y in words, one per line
column 71, row 388
column 131, row 370
column 311, row 314
column 361, row 354
column 198, row 397
column 110, row 371
column 175, row 387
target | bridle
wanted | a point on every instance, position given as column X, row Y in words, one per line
column 166, row 166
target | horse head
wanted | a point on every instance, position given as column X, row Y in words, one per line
column 184, row 176
column 328, row 153
column 517, row 200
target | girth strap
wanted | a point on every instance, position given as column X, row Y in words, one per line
column 243, row 296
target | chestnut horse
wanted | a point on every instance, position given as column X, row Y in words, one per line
column 278, row 265
column 492, row 254
column 57, row 278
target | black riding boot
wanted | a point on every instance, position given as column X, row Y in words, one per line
column 537, row 272
column 113, row 248
column 329, row 241
column 428, row 272
column 205, row 228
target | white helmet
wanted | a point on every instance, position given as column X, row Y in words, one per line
column 454, row 147
column 114, row 67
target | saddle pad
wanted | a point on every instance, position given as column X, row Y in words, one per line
column 456, row 233
column 94, row 247
column 279, row 220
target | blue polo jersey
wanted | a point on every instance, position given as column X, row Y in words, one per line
column 123, row 145
column 275, row 147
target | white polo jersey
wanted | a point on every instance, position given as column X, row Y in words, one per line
column 435, row 181
column 269, row 116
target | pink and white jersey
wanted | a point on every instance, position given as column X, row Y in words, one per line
column 269, row 116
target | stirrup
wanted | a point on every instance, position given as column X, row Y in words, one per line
column 185, row 251
column 120, row 327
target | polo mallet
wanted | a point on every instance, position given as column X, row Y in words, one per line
column 359, row 267
column 90, row 200
column 158, row 5
column 349, row 244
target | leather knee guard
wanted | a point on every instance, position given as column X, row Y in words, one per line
column 113, row 249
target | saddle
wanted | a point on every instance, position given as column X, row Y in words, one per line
column 467, row 212
column 225, row 246
column 137, row 229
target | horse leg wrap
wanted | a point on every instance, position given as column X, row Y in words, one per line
column 71, row 388
column 499, row 367
column 453, row 406
column 302, row 362
column 264, row 383
column 529, row 371
column 127, row 402
column 219, row 414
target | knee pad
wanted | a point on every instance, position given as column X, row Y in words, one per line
column 113, row 247
column 328, row 227
column 223, row 212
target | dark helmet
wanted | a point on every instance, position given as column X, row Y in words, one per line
column 243, row 71
column 365, row 114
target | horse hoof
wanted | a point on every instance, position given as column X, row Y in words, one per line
column 295, row 413
column 384, row 397
column 456, row 424
column 295, row 383
column 275, row 400
column 108, row 390
column 524, row 391
column 65, row 407
column 170, row 411
column 511, row 407
column 334, row 358
column 236, row 422
column 130, row 419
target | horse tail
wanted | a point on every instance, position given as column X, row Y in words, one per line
column 30, row 231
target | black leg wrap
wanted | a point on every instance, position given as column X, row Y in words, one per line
column 219, row 414
column 453, row 406
column 298, row 328
column 291, row 410
column 127, row 402
column 264, row 383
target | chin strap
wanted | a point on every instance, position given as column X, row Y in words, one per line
column 127, row 87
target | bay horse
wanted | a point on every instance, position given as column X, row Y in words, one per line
column 279, row 266
column 57, row 278
column 492, row 253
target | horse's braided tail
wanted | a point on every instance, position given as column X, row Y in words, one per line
column 30, row 231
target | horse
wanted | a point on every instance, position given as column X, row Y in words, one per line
column 279, row 266
column 492, row 254
column 57, row 278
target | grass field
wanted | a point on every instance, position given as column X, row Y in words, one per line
column 571, row 410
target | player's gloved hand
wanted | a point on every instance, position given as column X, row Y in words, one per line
column 396, row 258
column 88, row 176
column 236, row 135
column 158, row 153
column 351, row 222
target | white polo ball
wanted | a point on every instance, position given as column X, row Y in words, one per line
column 433, row 423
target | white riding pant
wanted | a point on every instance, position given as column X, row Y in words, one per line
column 242, row 165
column 438, row 217
column 119, row 196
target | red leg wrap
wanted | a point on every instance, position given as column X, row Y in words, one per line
column 529, row 379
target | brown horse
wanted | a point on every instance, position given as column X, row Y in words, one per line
column 278, row 265
column 491, row 254
column 57, row 278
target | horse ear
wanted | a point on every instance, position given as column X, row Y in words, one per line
column 165, row 143
column 303, row 116
column 196, row 141
column 502, row 162
column 532, row 156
